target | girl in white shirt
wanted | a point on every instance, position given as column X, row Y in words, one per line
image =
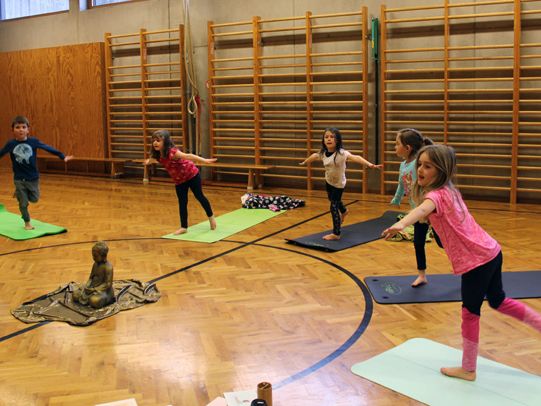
column 334, row 159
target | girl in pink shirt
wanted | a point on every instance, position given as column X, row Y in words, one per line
column 473, row 253
column 184, row 173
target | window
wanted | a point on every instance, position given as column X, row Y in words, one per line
column 24, row 8
column 104, row 2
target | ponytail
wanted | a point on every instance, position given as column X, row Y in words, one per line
column 414, row 139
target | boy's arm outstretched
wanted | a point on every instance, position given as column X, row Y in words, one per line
column 194, row 158
column 359, row 159
column 4, row 150
column 420, row 212
column 311, row 158
column 54, row 151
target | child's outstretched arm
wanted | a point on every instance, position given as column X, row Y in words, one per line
column 311, row 158
column 359, row 159
column 420, row 212
column 150, row 161
column 194, row 158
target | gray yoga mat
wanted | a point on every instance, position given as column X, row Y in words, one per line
column 352, row 235
column 446, row 288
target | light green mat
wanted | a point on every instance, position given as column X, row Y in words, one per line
column 12, row 226
column 413, row 369
column 226, row 225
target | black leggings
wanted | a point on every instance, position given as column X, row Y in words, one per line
column 337, row 207
column 182, row 193
column 419, row 241
column 485, row 280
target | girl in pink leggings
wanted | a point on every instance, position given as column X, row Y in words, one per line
column 474, row 254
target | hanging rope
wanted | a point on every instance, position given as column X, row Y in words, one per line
column 194, row 102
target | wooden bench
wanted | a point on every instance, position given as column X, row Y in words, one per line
column 253, row 171
column 117, row 164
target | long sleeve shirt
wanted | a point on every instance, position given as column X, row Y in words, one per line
column 23, row 157
column 406, row 179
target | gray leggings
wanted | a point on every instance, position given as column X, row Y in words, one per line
column 26, row 191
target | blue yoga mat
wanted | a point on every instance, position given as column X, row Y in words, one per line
column 413, row 369
column 446, row 288
column 352, row 235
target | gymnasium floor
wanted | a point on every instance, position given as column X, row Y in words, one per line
column 246, row 309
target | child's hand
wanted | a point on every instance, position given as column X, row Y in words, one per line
column 210, row 160
column 374, row 166
column 302, row 163
column 392, row 231
column 68, row 158
column 147, row 162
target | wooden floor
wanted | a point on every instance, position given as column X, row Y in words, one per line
column 247, row 309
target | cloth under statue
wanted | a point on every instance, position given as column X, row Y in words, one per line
column 98, row 298
column 98, row 291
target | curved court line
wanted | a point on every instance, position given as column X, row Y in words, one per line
column 361, row 328
column 24, row 330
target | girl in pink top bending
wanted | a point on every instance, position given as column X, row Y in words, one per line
column 184, row 173
column 474, row 254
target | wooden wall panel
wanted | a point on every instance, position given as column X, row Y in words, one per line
column 60, row 90
column 467, row 75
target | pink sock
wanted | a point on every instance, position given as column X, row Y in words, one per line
column 520, row 311
column 470, row 340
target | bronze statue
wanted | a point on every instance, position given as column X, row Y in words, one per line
column 98, row 292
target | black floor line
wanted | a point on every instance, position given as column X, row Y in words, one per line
column 361, row 328
column 24, row 330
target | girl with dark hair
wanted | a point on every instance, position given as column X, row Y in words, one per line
column 184, row 173
column 408, row 143
column 334, row 158
column 474, row 254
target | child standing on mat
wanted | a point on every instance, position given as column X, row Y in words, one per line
column 408, row 142
column 23, row 152
column 474, row 254
column 184, row 173
column 334, row 158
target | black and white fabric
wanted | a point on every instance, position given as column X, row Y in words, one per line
column 274, row 203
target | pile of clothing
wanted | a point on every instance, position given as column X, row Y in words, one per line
column 274, row 203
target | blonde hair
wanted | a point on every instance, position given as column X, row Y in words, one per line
column 443, row 158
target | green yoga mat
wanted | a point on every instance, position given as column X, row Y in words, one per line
column 226, row 225
column 413, row 369
column 12, row 226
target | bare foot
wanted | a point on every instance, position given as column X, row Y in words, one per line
column 28, row 226
column 331, row 237
column 420, row 281
column 181, row 230
column 458, row 372
column 212, row 222
column 343, row 216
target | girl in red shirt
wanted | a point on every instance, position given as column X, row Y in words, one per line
column 184, row 173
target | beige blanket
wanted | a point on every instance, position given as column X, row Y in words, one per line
column 59, row 305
